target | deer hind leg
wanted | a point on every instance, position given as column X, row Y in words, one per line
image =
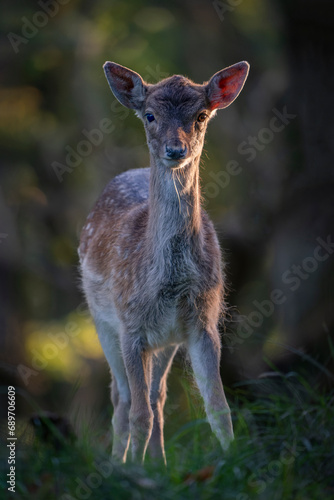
column 161, row 366
column 204, row 353
column 120, row 391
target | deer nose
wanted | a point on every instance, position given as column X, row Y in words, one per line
column 176, row 153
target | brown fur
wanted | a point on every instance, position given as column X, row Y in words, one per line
column 151, row 262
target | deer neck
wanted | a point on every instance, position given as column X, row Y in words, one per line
column 174, row 203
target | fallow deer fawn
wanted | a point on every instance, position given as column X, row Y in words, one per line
column 151, row 262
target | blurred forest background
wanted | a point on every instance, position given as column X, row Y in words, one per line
column 274, row 212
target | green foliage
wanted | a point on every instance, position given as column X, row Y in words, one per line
column 282, row 450
column 269, row 215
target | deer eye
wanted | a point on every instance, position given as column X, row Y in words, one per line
column 202, row 117
column 150, row 118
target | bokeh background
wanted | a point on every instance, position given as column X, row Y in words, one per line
column 273, row 212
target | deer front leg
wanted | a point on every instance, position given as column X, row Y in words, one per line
column 120, row 391
column 204, row 350
column 138, row 367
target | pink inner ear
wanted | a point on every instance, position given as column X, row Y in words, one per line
column 229, row 87
column 122, row 80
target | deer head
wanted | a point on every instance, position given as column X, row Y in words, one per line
column 176, row 111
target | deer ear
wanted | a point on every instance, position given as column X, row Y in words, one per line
column 127, row 86
column 226, row 85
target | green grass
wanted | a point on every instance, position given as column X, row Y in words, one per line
column 283, row 449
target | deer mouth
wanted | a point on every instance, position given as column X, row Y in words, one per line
column 175, row 164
